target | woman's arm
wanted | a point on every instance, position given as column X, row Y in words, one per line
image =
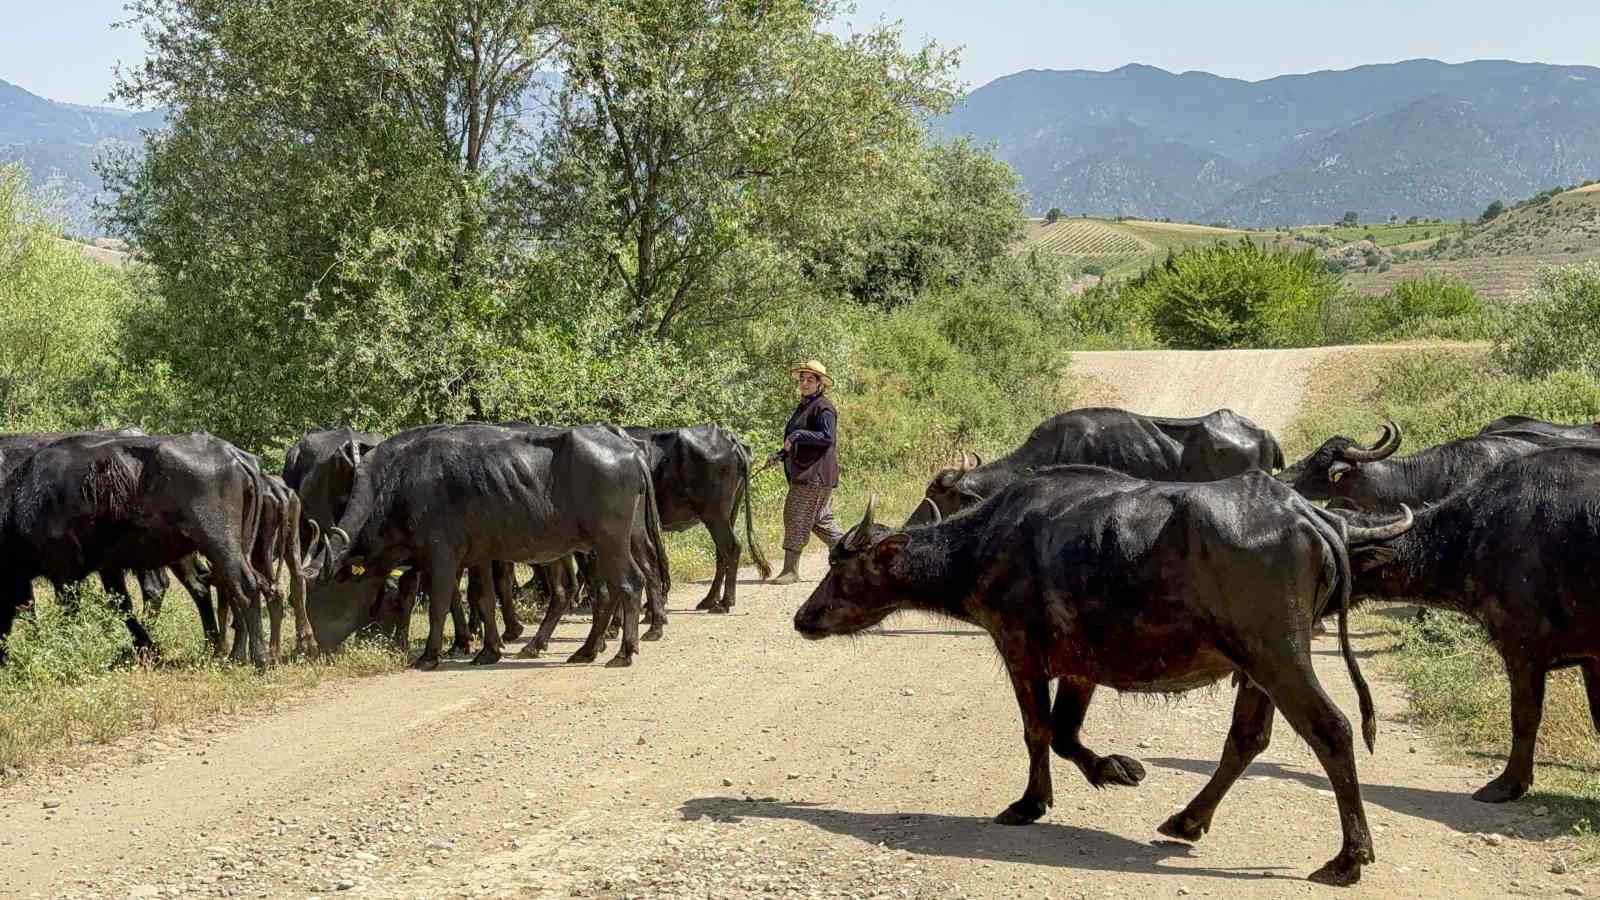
column 822, row 437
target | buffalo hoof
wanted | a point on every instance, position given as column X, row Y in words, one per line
column 583, row 655
column 655, row 633
column 459, row 648
column 486, row 657
column 307, row 645
column 1182, row 827
column 719, row 610
column 1501, row 790
column 1341, row 871
column 1023, row 812
column 512, row 632
column 530, row 650
column 619, row 662
column 1117, row 771
column 427, row 662
column 709, row 604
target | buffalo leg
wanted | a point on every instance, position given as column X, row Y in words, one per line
column 1591, row 683
column 1527, row 709
column 12, row 596
column 1033, row 698
column 442, row 577
column 188, row 575
column 275, row 621
column 116, row 584
column 460, row 623
column 723, row 583
column 1250, row 734
column 481, row 594
column 1072, row 702
column 240, row 585
column 505, row 585
column 558, row 579
column 400, row 615
column 153, row 585
column 1294, row 690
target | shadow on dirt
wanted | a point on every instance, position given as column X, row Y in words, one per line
column 1453, row 809
column 968, row 837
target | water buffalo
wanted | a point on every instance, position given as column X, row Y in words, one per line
column 1099, row 578
column 277, row 542
column 1217, row 445
column 455, row 497
column 701, row 474
column 1514, row 551
column 1367, row 478
column 106, row 504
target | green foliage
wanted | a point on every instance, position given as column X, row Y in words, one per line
column 1053, row 215
column 1349, row 220
column 1492, row 211
column 1234, row 295
column 955, row 223
column 1559, row 327
column 58, row 313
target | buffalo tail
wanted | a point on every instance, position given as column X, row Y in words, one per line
column 1369, row 718
column 749, row 518
column 652, row 525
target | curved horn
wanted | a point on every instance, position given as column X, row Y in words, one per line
column 316, row 535
column 1387, row 444
column 862, row 534
column 928, row 502
column 343, row 535
column 1359, row 534
column 977, row 461
column 947, row 478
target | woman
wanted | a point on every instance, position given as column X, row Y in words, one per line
column 810, row 457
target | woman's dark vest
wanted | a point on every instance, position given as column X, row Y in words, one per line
column 808, row 463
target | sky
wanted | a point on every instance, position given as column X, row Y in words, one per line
column 66, row 49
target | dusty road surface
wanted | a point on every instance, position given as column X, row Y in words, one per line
column 737, row 760
column 1267, row 386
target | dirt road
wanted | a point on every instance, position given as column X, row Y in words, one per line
column 738, row 760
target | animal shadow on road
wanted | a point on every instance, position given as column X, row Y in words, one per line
column 971, row 837
column 1453, row 809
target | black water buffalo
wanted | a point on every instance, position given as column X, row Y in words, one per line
column 701, row 474
column 1539, row 431
column 1099, row 578
column 321, row 468
column 1367, row 478
column 455, row 497
column 277, row 544
column 107, row 504
column 1217, row 445
column 1515, row 551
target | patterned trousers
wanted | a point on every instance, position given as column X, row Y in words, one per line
column 806, row 510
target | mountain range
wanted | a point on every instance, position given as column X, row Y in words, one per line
column 1414, row 138
column 58, row 142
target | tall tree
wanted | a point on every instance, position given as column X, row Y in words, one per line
column 692, row 137
column 317, row 208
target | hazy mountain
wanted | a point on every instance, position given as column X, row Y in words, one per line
column 1413, row 138
column 59, row 142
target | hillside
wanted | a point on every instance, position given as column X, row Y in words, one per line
column 1123, row 247
column 1502, row 257
column 1416, row 138
column 59, row 142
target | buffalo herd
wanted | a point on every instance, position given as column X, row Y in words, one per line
column 1146, row 554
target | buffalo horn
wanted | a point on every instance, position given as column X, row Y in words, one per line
column 1359, row 534
column 863, row 532
column 310, row 548
column 934, row 507
column 1387, row 444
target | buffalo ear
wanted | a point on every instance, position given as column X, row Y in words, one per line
column 1339, row 469
column 884, row 551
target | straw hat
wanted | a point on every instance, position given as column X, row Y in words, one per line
column 815, row 368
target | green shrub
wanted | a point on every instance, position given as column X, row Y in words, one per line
column 1235, row 295
column 1558, row 328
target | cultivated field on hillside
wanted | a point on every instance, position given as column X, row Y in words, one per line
column 1119, row 248
column 1392, row 236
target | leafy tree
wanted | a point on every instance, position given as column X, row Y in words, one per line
column 961, row 213
column 1234, row 295
column 318, row 210
column 692, row 137
column 1053, row 215
column 1350, row 220
column 1493, row 211
column 1411, row 221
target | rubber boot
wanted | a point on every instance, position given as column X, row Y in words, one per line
column 791, row 568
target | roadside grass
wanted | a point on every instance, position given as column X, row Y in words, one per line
column 1454, row 678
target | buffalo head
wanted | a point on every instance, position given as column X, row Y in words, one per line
column 327, row 554
column 950, row 492
column 857, row 592
column 1335, row 469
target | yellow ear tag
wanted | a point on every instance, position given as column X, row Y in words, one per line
column 1335, row 476
column 358, row 570
column 396, row 573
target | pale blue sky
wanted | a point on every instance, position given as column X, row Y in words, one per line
column 65, row 49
